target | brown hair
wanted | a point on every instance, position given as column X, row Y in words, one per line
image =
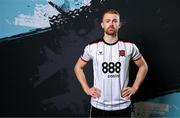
column 111, row 11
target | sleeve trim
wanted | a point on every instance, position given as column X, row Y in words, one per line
column 137, row 58
column 83, row 59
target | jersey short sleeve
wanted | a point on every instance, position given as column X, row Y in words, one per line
column 86, row 56
column 135, row 53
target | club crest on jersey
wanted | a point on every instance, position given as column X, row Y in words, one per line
column 122, row 53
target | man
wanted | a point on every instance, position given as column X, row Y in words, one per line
column 110, row 95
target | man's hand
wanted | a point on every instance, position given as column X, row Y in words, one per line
column 128, row 91
column 94, row 92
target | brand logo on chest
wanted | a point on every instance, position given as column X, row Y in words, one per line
column 100, row 52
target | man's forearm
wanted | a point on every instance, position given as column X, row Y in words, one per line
column 81, row 78
column 140, row 76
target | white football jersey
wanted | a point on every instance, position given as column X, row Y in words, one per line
column 111, row 71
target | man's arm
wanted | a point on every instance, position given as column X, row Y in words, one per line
column 78, row 69
column 142, row 71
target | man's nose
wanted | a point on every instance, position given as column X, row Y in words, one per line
column 111, row 23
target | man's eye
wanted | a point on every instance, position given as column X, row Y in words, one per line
column 115, row 21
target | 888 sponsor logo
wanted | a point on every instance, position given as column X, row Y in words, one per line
column 111, row 67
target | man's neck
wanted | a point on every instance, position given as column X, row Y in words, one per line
column 110, row 39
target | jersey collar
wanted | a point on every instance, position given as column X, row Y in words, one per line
column 109, row 43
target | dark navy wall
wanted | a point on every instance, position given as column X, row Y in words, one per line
column 37, row 77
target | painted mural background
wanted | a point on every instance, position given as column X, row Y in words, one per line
column 41, row 40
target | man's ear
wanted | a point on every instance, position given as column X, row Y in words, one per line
column 102, row 25
column 120, row 24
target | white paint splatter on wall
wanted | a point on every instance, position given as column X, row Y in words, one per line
column 40, row 19
column 21, row 16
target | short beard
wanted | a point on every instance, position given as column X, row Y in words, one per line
column 111, row 33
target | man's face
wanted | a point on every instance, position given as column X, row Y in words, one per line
column 111, row 23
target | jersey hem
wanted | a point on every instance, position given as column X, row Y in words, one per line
column 111, row 107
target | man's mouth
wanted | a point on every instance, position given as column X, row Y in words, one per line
column 111, row 28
